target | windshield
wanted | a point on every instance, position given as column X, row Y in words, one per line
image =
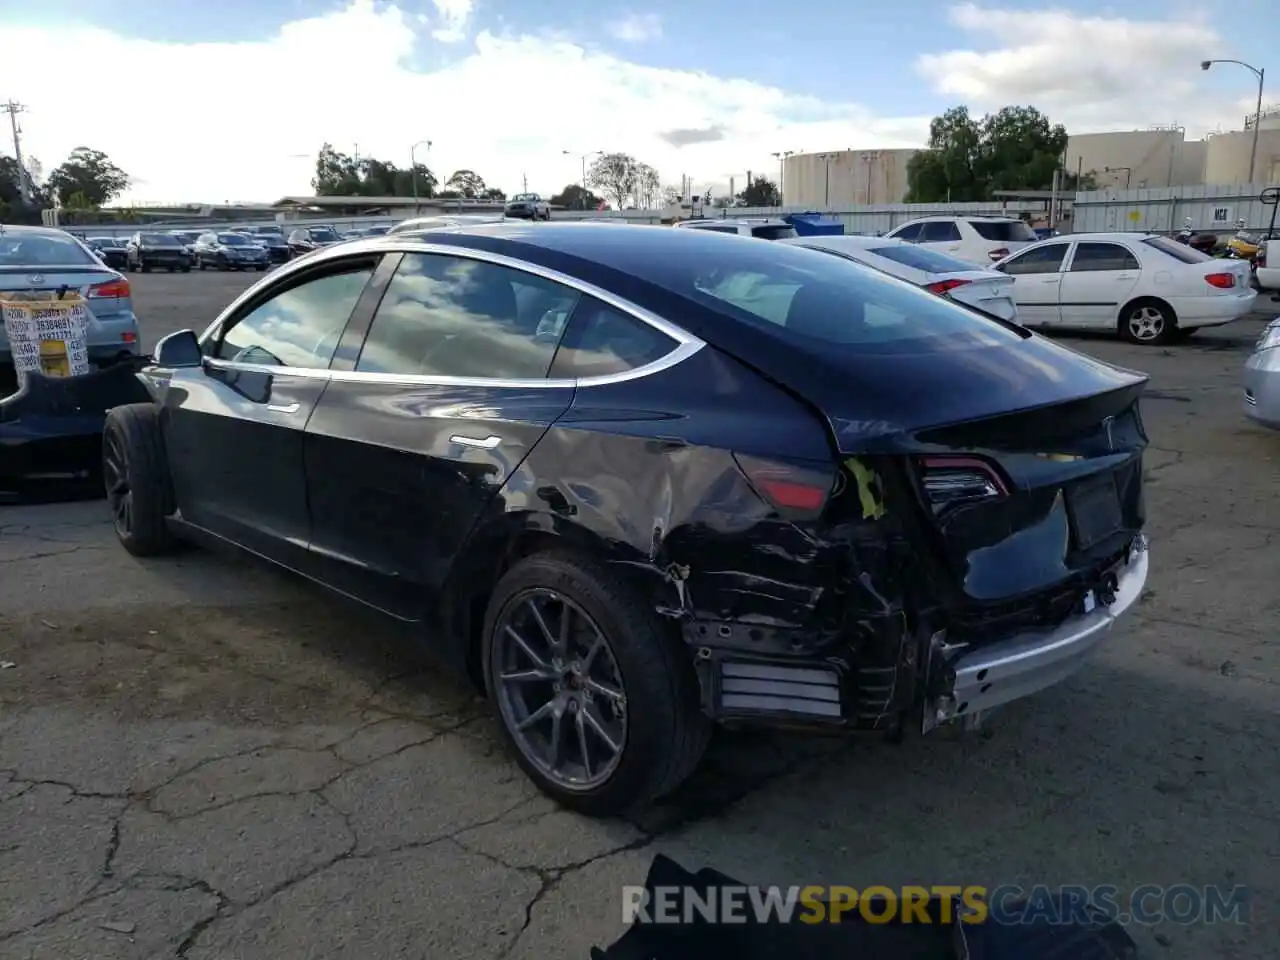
column 324, row 234
column 232, row 240
column 827, row 299
column 43, row 250
column 1179, row 251
column 376, row 231
column 1003, row 231
column 158, row 239
column 922, row 258
column 525, row 196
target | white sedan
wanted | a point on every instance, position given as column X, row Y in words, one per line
column 983, row 289
column 1150, row 289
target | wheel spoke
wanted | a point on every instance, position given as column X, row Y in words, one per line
column 582, row 743
column 612, row 693
column 566, row 627
column 597, row 642
column 557, row 737
column 528, row 651
column 598, row 728
column 544, row 711
column 542, row 624
column 535, row 675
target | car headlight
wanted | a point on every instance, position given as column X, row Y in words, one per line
column 1270, row 336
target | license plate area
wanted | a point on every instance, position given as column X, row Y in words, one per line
column 1094, row 509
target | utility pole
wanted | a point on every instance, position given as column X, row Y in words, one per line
column 24, row 182
column 524, row 183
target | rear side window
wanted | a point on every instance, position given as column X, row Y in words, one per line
column 774, row 232
column 939, row 231
column 920, row 258
column 445, row 316
column 601, row 341
column 299, row 327
column 1003, row 231
column 1102, row 256
column 910, row 233
column 1179, row 251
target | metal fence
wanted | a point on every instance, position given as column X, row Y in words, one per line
column 1163, row 209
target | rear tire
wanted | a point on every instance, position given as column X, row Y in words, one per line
column 187, row 268
column 136, row 474
column 1148, row 322
column 662, row 734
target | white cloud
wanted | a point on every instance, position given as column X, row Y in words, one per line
column 637, row 28
column 181, row 145
column 1090, row 73
column 455, row 16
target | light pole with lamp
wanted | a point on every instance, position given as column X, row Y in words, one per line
column 781, row 157
column 870, row 159
column 826, row 159
column 1261, row 74
column 413, row 169
column 584, row 157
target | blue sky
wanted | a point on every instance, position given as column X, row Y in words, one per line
column 506, row 86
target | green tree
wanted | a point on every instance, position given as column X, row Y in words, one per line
column 575, row 197
column 90, row 173
column 467, row 184
column 616, row 175
column 340, row 175
column 1016, row 148
column 13, row 209
column 761, row 192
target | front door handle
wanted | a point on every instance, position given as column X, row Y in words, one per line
column 284, row 407
column 1053, row 280
column 483, row 443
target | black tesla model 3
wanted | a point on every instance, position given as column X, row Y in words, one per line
column 637, row 482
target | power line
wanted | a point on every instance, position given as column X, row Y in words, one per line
column 13, row 108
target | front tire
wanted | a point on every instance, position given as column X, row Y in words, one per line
column 136, row 475
column 595, row 696
column 1148, row 322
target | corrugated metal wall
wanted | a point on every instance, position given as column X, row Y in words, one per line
column 1162, row 210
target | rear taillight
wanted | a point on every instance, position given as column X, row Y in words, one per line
column 942, row 287
column 112, row 288
column 950, row 480
column 1223, row 281
column 798, row 491
column 998, row 254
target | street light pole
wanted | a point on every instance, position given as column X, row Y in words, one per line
column 781, row 157
column 1261, row 74
column 584, row 157
column 413, row 169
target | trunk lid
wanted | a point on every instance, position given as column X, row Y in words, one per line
column 984, row 290
column 80, row 279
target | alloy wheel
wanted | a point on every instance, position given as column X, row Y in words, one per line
column 116, row 479
column 1146, row 323
column 559, row 689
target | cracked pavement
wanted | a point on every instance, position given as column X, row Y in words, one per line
column 201, row 758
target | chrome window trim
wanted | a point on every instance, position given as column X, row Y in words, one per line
column 686, row 343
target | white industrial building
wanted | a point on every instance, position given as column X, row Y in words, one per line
column 1157, row 157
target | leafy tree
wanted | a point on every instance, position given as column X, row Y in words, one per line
column 575, row 197
column 616, row 175
column 90, row 173
column 493, row 193
column 761, row 192
column 648, row 187
column 671, row 195
column 1016, row 148
column 467, row 183
column 12, row 207
column 340, row 175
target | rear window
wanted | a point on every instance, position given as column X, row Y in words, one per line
column 159, row 239
column 825, row 299
column 42, row 250
column 1003, row 231
column 773, row 232
column 921, row 258
column 232, row 240
column 1179, row 251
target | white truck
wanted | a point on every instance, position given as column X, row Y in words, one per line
column 1268, row 263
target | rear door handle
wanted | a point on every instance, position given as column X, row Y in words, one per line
column 1052, row 280
column 483, row 443
column 284, row 407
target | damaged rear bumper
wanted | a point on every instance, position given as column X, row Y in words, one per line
column 940, row 683
column 1015, row 667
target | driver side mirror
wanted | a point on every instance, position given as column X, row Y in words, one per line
column 180, row 349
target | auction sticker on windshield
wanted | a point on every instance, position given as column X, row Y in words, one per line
column 46, row 336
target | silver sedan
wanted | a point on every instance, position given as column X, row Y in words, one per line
column 1262, row 379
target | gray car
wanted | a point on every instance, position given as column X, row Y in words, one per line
column 40, row 260
column 1262, row 379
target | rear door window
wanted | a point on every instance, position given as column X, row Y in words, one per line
column 1102, row 256
column 940, row 231
column 601, row 340
column 1003, row 231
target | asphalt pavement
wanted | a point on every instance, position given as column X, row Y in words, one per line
column 200, row 758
